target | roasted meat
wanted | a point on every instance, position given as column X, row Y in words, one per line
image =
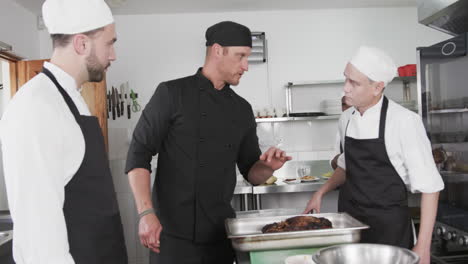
column 298, row 223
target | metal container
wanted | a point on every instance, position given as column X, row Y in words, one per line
column 365, row 254
column 246, row 234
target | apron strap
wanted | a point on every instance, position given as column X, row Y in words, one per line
column 65, row 95
column 383, row 118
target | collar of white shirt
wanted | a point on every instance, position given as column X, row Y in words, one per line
column 68, row 83
column 66, row 80
column 375, row 109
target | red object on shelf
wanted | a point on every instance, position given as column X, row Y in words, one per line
column 411, row 70
column 401, row 71
column 407, row 70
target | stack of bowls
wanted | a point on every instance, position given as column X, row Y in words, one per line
column 331, row 107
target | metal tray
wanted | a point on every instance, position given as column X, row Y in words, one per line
column 246, row 234
column 5, row 236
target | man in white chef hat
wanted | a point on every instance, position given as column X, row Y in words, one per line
column 386, row 153
column 60, row 190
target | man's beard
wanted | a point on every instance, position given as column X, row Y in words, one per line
column 95, row 69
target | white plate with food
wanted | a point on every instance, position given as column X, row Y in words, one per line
column 309, row 178
column 327, row 175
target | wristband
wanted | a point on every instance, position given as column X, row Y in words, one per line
column 145, row 212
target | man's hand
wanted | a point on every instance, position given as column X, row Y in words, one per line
column 334, row 162
column 149, row 230
column 274, row 158
column 314, row 204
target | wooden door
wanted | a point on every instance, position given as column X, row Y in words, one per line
column 94, row 94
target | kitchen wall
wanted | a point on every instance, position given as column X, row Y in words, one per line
column 18, row 29
column 302, row 45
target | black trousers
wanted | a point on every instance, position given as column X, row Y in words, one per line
column 180, row 251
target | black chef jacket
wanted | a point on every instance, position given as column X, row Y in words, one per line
column 200, row 133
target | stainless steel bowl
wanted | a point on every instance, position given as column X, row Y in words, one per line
column 365, row 254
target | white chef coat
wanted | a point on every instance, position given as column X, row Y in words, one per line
column 43, row 147
column 408, row 147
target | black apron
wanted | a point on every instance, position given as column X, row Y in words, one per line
column 94, row 226
column 373, row 191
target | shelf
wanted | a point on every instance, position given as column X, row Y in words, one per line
column 289, row 119
column 449, row 111
column 258, row 47
column 305, row 83
column 405, row 79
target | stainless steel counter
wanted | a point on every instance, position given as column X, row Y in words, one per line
column 244, row 190
column 282, row 187
column 243, row 187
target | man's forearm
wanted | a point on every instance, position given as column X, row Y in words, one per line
column 428, row 215
column 259, row 173
column 337, row 179
column 140, row 182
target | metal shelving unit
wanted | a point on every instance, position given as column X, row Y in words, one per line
column 288, row 119
column 449, row 111
column 259, row 50
column 405, row 80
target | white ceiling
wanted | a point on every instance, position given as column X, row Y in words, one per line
column 128, row 7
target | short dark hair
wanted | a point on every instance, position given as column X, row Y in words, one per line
column 62, row 40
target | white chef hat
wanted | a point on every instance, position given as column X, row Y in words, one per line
column 75, row 16
column 375, row 64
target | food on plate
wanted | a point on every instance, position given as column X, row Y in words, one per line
column 271, row 180
column 298, row 223
column 328, row 174
column 290, row 180
column 439, row 155
column 309, row 178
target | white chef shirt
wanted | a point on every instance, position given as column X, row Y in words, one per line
column 43, row 147
column 406, row 142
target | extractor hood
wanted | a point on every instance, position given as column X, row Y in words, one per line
column 449, row 16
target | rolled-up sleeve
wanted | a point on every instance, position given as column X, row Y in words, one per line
column 249, row 150
column 32, row 145
column 417, row 155
column 151, row 130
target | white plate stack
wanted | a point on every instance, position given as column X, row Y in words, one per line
column 331, row 107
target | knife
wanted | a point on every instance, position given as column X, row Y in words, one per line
column 121, row 97
column 127, row 93
column 113, row 103
column 117, row 103
column 108, row 102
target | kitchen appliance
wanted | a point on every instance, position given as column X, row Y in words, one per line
column 443, row 105
column 449, row 16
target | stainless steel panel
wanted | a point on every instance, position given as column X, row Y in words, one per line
column 246, row 234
